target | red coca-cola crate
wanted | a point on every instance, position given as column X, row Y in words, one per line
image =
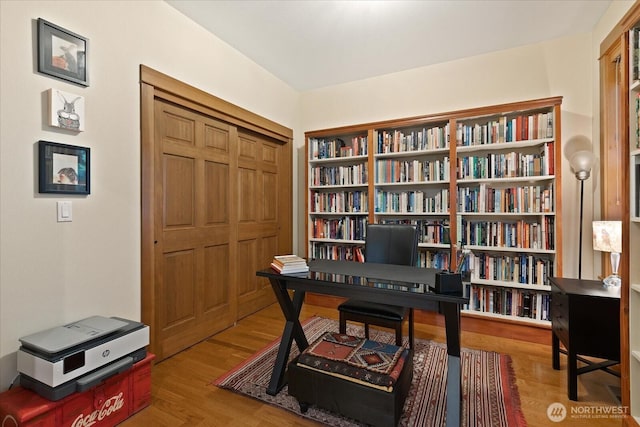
column 105, row 405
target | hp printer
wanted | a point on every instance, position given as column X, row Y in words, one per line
column 73, row 358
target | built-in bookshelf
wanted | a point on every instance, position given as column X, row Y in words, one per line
column 338, row 192
column 634, row 220
column 484, row 179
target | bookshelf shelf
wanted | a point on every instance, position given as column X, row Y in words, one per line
column 513, row 180
column 516, row 145
column 412, row 153
column 504, row 284
column 502, row 317
column 448, row 173
column 347, row 159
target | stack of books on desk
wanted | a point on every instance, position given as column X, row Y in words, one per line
column 286, row 264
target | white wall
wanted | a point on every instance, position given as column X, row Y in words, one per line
column 54, row 273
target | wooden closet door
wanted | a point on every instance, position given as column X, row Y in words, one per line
column 195, row 227
column 260, row 183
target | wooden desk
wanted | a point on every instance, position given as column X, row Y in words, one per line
column 390, row 284
column 585, row 316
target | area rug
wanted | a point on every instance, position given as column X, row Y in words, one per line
column 490, row 395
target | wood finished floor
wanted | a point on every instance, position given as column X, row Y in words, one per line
column 182, row 393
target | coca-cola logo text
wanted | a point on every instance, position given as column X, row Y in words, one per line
column 109, row 406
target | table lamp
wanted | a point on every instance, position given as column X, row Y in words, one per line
column 607, row 237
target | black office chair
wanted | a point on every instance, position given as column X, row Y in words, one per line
column 386, row 244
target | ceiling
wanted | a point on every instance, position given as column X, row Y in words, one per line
column 311, row 44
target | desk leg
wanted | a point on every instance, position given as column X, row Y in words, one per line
column 451, row 313
column 292, row 330
column 555, row 351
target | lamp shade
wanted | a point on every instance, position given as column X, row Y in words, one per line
column 607, row 236
column 581, row 163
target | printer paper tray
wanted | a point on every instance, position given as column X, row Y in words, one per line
column 84, row 382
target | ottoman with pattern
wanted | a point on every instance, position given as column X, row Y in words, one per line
column 355, row 377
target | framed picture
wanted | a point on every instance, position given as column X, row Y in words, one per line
column 62, row 54
column 63, row 168
column 66, row 110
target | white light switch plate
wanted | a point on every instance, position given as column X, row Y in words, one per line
column 65, row 211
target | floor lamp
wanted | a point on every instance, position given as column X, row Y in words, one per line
column 581, row 163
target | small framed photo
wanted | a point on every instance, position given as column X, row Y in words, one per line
column 66, row 110
column 62, row 54
column 63, row 168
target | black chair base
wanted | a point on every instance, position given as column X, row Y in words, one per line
column 369, row 316
column 362, row 403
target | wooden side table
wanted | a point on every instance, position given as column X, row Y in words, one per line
column 585, row 317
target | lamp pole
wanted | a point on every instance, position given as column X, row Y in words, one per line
column 581, row 214
column 581, row 162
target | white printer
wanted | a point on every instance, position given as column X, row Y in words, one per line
column 75, row 357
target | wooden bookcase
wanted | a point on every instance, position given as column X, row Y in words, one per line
column 485, row 179
column 634, row 218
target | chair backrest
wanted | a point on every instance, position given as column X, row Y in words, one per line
column 391, row 244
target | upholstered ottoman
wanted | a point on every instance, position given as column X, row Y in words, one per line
column 361, row 379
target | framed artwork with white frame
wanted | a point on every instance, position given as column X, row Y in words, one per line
column 66, row 110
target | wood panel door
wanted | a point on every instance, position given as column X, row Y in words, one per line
column 259, row 186
column 216, row 205
column 195, row 197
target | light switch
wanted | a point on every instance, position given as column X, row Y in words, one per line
column 65, row 212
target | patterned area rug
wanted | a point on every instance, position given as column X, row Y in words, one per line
column 490, row 395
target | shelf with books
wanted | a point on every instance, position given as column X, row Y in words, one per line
column 430, row 136
column 338, row 194
column 506, row 209
column 489, row 176
column 508, row 303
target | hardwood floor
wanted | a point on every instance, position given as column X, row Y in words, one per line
column 182, row 393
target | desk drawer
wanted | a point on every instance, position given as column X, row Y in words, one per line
column 560, row 315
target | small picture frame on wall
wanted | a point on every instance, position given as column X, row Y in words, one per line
column 63, row 168
column 62, row 53
column 66, row 110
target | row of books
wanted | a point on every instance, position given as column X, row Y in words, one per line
column 412, row 201
column 388, row 170
column 520, row 268
column 339, row 175
column 511, row 234
column 336, row 147
column 440, row 260
column 637, row 119
column 524, row 199
column 429, row 231
column 634, row 42
column 339, row 202
column 396, row 141
column 510, row 302
column 506, row 129
column 326, row 250
column 345, row 228
column 286, row 264
column 507, row 165
column 322, row 250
